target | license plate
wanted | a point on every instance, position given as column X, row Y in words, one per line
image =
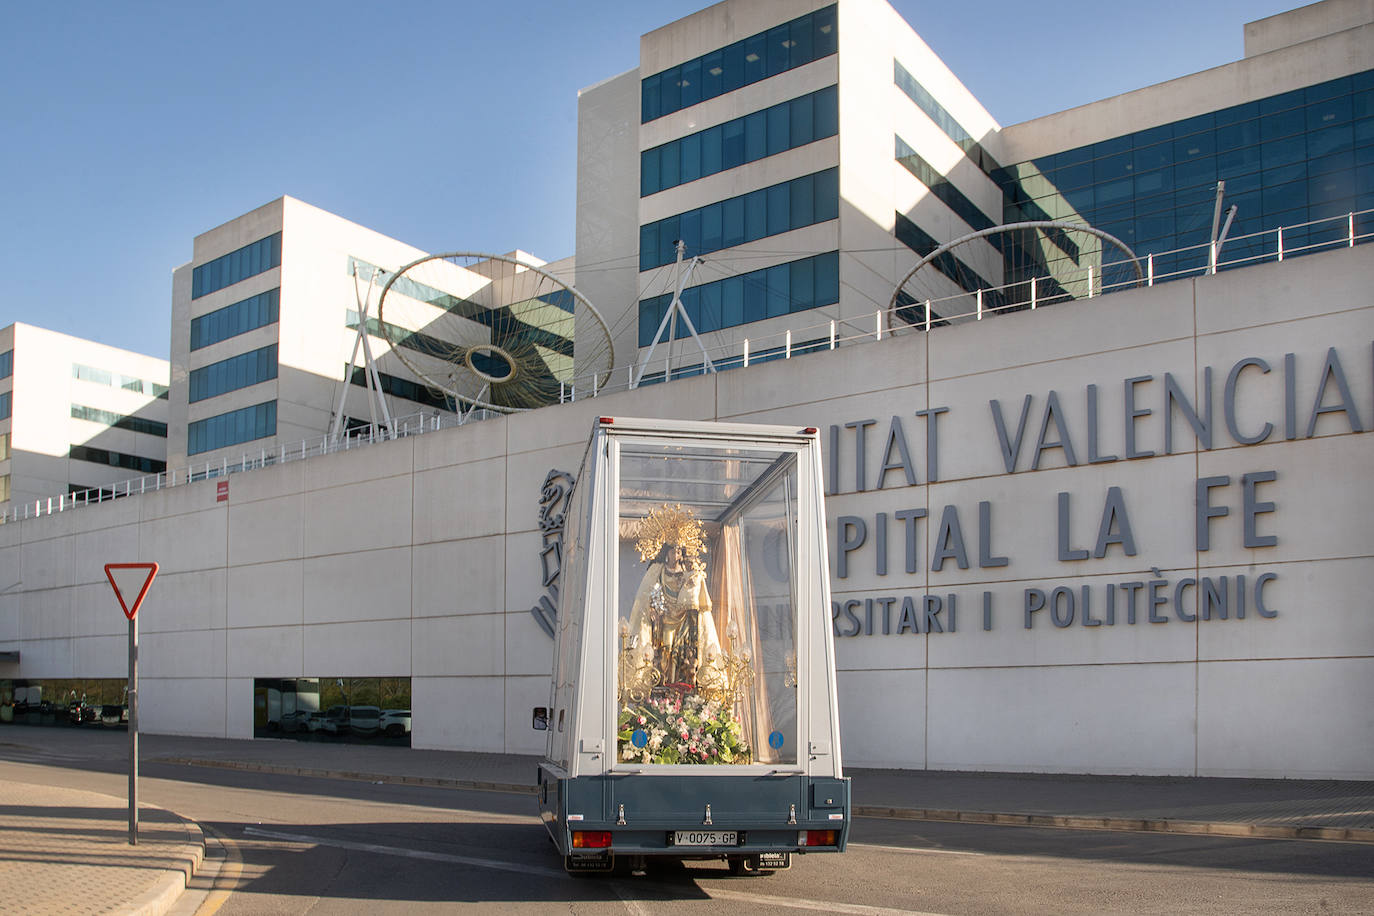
column 705, row 838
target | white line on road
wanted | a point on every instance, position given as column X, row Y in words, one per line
column 915, row 849
column 498, row 864
column 796, row 903
column 824, row 906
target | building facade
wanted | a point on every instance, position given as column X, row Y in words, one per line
column 265, row 325
column 808, row 152
column 76, row 418
column 1122, row 534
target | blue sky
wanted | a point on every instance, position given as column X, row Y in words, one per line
column 129, row 128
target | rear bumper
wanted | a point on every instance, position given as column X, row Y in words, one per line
column 642, row 812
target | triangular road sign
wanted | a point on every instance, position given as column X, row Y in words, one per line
column 135, row 576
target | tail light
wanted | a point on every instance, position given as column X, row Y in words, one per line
column 817, row 837
column 597, row 839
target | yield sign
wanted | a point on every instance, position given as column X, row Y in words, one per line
column 134, row 576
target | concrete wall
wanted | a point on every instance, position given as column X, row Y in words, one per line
column 421, row 557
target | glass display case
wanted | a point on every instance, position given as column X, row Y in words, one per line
column 693, row 711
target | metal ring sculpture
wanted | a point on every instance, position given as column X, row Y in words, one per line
column 493, row 331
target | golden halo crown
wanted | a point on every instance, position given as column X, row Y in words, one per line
column 671, row 524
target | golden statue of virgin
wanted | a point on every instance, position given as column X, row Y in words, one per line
column 671, row 626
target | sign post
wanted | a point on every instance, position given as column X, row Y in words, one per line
column 140, row 576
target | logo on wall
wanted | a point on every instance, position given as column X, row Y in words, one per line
column 553, row 508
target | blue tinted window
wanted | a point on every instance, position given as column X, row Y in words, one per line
column 792, row 44
column 772, row 291
column 942, row 118
column 5, row 404
column 233, row 373
column 120, row 421
column 117, row 459
column 1286, row 160
column 248, row 261
column 232, row 428
column 784, row 126
column 768, row 211
column 941, row 187
column 6, row 364
column 232, row 320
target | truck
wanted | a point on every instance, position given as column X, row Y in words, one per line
column 692, row 710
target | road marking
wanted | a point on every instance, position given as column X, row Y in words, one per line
column 498, row 864
column 824, row 906
column 634, row 906
column 916, row 849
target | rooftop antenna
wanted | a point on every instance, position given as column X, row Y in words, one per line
column 669, row 322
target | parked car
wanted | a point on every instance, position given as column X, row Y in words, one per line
column 335, row 721
column 364, row 721
column 395, row 722
column 295, row 721
column 112, row 715
column 315, row 722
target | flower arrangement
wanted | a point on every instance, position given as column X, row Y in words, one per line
column 681, row 728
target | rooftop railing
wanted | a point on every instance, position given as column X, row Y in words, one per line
column 1271, row 245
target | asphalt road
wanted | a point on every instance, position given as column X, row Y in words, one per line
column 292, row 845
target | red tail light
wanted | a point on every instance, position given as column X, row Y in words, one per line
column 597, row 839
column 818, row 838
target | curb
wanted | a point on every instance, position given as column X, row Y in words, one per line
column 169, row 888
column 1132, row 824
column 437, row 782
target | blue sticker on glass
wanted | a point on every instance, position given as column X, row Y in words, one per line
column 639, row 738
column 775, row 740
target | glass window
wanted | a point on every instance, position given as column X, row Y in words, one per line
column 732, row 302
column 6, row 364
column 233, row 373
column 779, row 129
column 650, row 103
column 5, row 399
column 779, row 207
column 706, row 667
column 779, row 290
column 1234, row 136
column 711, row 150
column 712, row 71
column 648, row 246
column 827, row 195
column 802, row 284
column 791, row 44
column 779, row 50
column 755, row 54
column 755, row 136
column 650, row 181
column 232, row 428
column 712, row 238
column 732, row 144
column 229, row 269
column 801, row 114
column 732, row 222
column 755, row 215
column 232, row 320
column 690, row 82
column 802, row 203
column 117, row 459
column 120, row 421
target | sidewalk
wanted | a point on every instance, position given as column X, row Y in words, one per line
column 67, row 851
